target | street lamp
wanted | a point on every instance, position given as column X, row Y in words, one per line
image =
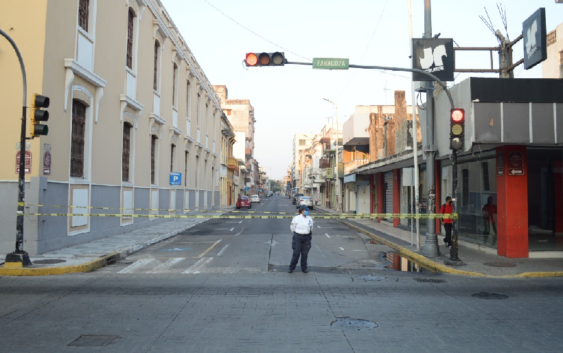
column 338, row 209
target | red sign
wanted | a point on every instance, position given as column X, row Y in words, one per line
column 515, row 163
column 47, row 163
column 27, row 162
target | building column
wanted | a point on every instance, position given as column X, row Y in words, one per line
column 396, row 196
column 380, row 192
column 512, row 203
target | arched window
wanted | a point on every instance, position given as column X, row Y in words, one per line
column 78, row 139
column 126, row 153
column 130, row 32
column 156, row 54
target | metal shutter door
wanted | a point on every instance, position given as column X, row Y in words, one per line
column 388, row 180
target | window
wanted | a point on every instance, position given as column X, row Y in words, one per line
column 174, row 74
column 302, row 142
column 126, row 152
column 153, row 158
column 155, row 78
column 486, row 180
column 186, row 160
column 172, row 154
column 188, row 105
column 78, row 136
column 196, row 172
column 130, row 39
column 198, row 109
column 83, row 14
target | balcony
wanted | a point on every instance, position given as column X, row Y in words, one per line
column 353, row 165
column 248, row 151
column 232, row 164
column 329, row 173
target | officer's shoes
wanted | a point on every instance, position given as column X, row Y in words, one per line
column 305, row 271
column 290, row 271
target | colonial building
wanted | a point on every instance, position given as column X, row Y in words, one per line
column 241, row 115
column 129, row 106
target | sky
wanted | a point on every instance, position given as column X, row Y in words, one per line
column 289, row 99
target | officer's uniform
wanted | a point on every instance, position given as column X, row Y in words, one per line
column 302, row 228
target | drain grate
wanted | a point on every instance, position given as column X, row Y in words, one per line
column 48, row 261
column 487, row 295
column 499, row 264
column 429, row 280
column 346, row 323
column 371, row 278
column 93, row 340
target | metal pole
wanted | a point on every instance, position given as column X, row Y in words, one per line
column 430, row 248
column 19, row 255
column 415, row 141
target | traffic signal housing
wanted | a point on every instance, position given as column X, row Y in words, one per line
column 38, row 115
column 457, row 128
column 264, row 59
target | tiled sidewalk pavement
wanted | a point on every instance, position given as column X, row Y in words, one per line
column 478, row 263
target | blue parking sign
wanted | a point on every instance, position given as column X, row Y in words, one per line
column 175, row 178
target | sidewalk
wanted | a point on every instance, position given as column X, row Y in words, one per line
column 91, row 256
column 477, row 263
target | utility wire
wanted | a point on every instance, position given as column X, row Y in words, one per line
column 256, row 34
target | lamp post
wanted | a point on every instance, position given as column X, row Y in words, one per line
column 338, row 208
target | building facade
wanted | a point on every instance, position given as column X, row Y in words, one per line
column 129, row 106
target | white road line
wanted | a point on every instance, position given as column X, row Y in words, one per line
column 320, row 250
column 198, row 265
column 223, row 250
column 136, row 265
column 165, row 266
column 341, row 248
column 240, row 222
column 328, row 236
column 319, row 227
column 232, row 229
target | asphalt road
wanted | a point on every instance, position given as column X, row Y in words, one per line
column 223, row 286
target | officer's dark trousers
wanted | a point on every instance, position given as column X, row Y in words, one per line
column 301, row 245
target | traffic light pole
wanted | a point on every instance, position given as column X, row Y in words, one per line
column 19, row 258
column 454, row 260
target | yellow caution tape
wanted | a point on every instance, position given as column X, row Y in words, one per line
column 326, row 216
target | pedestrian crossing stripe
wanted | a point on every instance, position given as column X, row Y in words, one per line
column 324, row 216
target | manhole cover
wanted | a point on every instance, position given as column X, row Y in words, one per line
column 430, row 280
column 486, row 295
column 499, row 264
column 347, row 323
column 370, row 278
column 48, row 261
column 93, row 340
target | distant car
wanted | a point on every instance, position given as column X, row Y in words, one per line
column 305, row 201
column 243, row 201
column 255, row 198
column 295, row 197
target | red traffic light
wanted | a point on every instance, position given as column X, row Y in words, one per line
column 251, row 59
column 457, row 115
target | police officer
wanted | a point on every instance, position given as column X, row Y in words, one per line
column 301, row 227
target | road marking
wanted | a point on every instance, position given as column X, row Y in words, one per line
column 319, row 227
column 341, row 248
column 232, row 229
column 165, row 266
column 198, row 265
column 240, row 222
column 209, row 249
column 223, row 250
column 320, row 250
column 136, row 265
column 328, row 236
column 272, row 243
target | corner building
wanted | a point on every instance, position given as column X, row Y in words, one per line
column 129, row 105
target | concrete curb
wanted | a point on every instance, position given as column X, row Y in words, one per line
column 437, row 267
column 60, row 270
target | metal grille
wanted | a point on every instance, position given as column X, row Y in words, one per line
column 126, row 151
column 172, row 152
column 153, row 156
column 83, row 14
column 130, row 39
column 155, row 79
column 77, row 143
column 388, row 180
column 429, row 280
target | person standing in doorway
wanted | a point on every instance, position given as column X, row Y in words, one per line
column 489, row 218
column 302, row 229
column 447, row 208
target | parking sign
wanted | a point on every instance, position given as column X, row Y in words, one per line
column 175, row 178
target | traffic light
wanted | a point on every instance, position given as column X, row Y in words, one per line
column 265, row 59
column 38, row 115
column 457, row 122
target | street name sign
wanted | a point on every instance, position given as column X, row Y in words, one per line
column 330, row 63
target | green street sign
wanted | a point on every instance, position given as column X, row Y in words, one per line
column 330, row 63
